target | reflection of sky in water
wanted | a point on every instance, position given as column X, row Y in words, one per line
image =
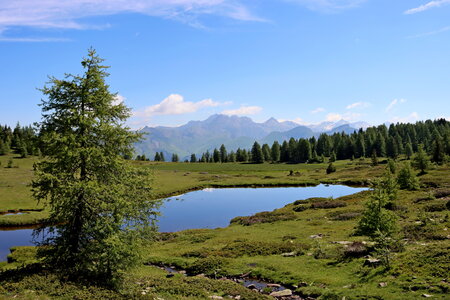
column 209, row 208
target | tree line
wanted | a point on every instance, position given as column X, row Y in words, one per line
column 380, row 141
column 22, row 140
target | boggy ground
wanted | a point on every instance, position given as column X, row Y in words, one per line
column 308, row 246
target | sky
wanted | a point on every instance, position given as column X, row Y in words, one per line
column 178, row 60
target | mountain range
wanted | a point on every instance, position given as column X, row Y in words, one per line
column 232, row 131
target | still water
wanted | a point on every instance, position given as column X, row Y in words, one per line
column 209, row 208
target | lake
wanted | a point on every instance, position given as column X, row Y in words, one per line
column 209, row 208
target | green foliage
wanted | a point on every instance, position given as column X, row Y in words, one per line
column 10, row 163
column 99, row 204
column 421, row 160
column 375, row 218
column 257, row 154
column 331, row 168
column 175, row 157
column 264, row 217
column 406, row 178
column 374, row 158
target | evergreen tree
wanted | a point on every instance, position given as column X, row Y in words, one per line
column 266, row 152
column 216, row 156
column 304, row 150
column 231, row 157
column 406, row 179
column 175, row 157
column 223, row 153
column 99, row 204
column 161, row 156
column 2, row 148
column 408, row 150
column 438, row 151
column 257, row 154
column 332, row 157
column 421, row 160
column 193, row 158
column 157, row 157
column 331, row 168
column 275, row 152
column 374, row 158
column 284, row 152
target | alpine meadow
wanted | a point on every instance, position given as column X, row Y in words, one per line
column 225, row 149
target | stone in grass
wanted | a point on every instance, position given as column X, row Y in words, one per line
column 215, row 297
column 427, row 296
column 382, row 284
column 283, row 293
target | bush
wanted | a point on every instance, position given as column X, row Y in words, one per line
column 331, row 168
column 264, row 217
column 328, row 204
column 256, row 248
column 208, row 266
column 406, row 179
column 355, row 250
column 345, row 216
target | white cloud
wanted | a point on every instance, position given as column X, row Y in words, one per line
column 174, row 104
column 358, row 105
column 413, row 117
column 296, row 120
column 328, row 5
column 394, row 103
column 243, row 110
column 118, row 99
column 427, row 6
column 444, row 29
column 334, row 117
column 67, row 14
column 317, row 110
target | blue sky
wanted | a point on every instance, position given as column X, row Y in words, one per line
column 178, row 60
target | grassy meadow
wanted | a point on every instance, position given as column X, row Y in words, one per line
column 308, row 246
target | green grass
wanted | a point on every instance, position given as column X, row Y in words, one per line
column 319, row 266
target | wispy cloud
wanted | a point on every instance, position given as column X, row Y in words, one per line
column 317, row 110
column 328, row 6
column 31, row 40
column 444, row 29
column 174, row 104
column 358, row 105
column 394, row 103
column 411, row 118
column 68, row 14
column 427, row 6
column 242, row 111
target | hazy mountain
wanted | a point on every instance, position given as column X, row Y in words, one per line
column 232, row 131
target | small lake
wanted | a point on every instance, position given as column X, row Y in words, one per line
column 209, row 208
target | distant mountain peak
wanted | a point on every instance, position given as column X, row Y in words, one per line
column 272, row 120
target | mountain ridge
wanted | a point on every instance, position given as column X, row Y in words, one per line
column 232, row 131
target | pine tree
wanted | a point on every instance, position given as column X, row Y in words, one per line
column 157, row 157
column 193, row 158
column 175, row 157
column 406, row 179
column 275, row 152
column 408, row 150
column 374, row 158
column 257, row 155
column 438, row 151
column 161, row 156
column 304, row 150
column 99, row 204
column 266, row 152
column 421, row 160
column 223, row 153
column 216, row 156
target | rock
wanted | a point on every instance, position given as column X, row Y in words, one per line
column 289, row 254
column 426, row 296
column 275, row 285
column 200, row 275
column 302, row 284
column 372, row 262
column 382, row 284
column 238, row 297
column 215, row 297
column 316, row 236
column 170, row 275
column 182, row 272
column 251, row 286
column 343, row 242
column 283, row 293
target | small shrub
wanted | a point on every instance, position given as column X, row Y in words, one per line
column 331, row 168
column 406, row 179
column 300, row 208
column 208, row 266
column 355, row 250
column 435, row 207
column 328, row 204
column 10, row 164
column 441, row 193
column 256, row 248
column 264, row 217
